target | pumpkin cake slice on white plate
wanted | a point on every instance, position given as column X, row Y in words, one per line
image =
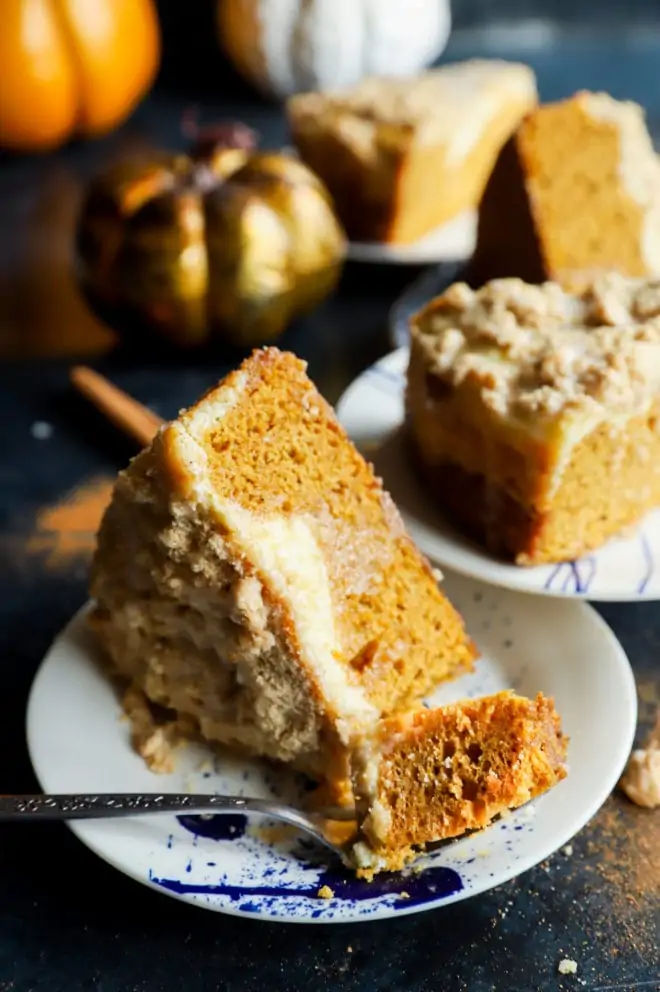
column 577, row 189
column 402, row 156
column 532, row 412
column 253, row 578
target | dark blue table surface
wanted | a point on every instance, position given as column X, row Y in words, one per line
column 69, row 922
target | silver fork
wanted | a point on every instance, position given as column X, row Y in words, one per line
column 106, row 805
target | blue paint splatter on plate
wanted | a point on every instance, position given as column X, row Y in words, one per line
column 411, row 890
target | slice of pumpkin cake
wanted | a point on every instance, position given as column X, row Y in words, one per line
column 253, row 578
column 574, row 194
column 428, row 775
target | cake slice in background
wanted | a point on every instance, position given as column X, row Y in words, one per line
column 430, row 775
column 574, row 192
column 401, row 156
column 533, row 414
column 253, row 578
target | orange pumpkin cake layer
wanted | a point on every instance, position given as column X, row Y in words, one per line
column 533, row 414
column 253, row 577
column 577, row 191
column 402, row 156
column 429, row 775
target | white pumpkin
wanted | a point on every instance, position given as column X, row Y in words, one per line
column 292, row 46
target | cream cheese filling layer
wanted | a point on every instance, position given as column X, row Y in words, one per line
column 375, row 816
column 288, row 558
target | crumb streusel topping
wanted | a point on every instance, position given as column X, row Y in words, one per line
column 538, row 352
column 432, row 103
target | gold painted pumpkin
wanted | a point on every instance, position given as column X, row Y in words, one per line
column 225, row 242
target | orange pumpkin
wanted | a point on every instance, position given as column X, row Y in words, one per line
column 72, row 67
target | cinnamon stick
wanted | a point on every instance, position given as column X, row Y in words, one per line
column 136, row 420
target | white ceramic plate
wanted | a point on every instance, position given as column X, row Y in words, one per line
column 371, row 410
column 78, row 743
column 451, row 242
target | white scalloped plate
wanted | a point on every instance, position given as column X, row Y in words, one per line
column 626, row 569
column 451, row 242
column 79, row 743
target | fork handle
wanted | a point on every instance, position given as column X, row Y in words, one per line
column 103, row 805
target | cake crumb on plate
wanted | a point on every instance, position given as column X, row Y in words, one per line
column 567, row 966
column 325, row 892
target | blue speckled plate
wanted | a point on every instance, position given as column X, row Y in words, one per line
column 79, row 743
column 624, row 570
